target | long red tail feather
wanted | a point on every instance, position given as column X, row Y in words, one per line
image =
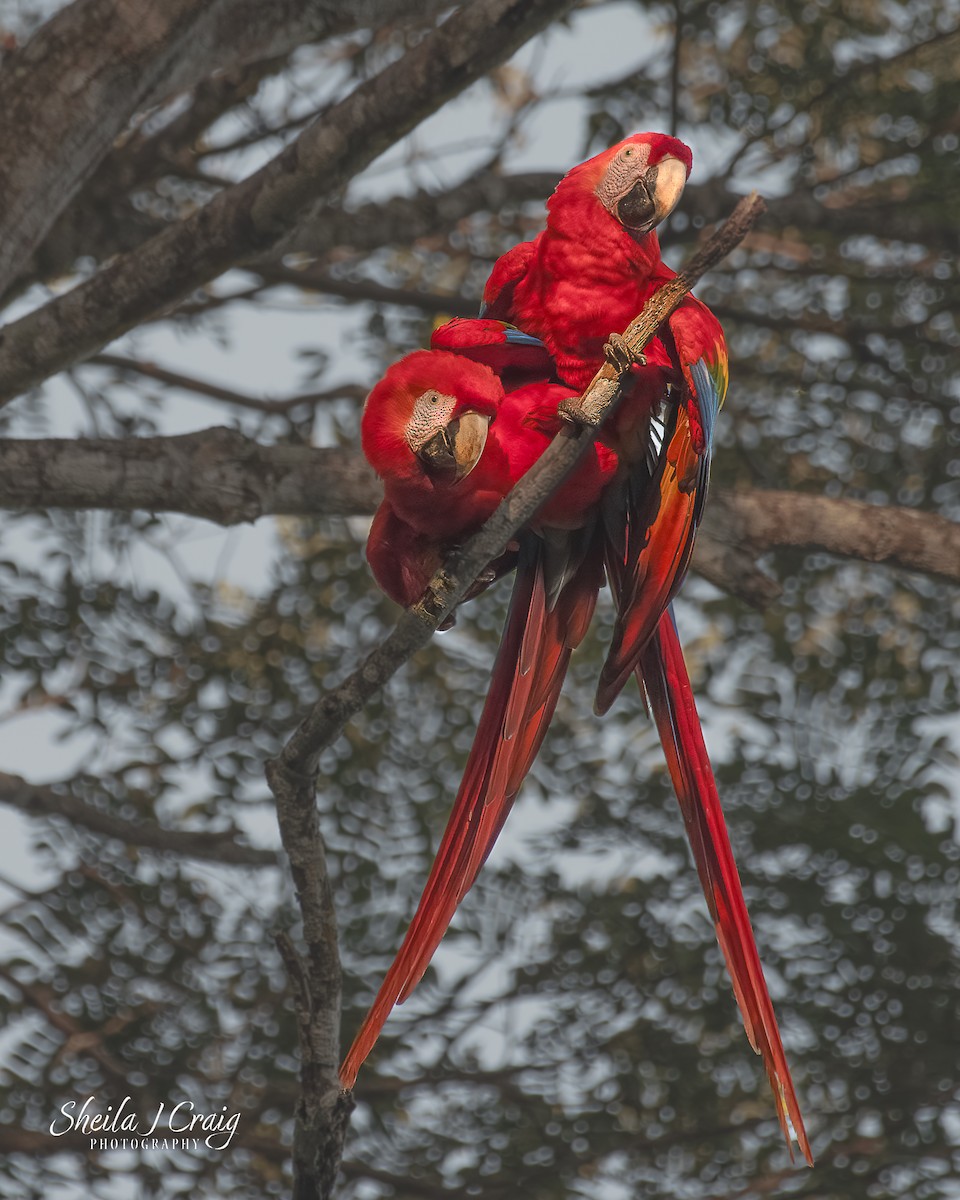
column 663, row 676
column 525, row 685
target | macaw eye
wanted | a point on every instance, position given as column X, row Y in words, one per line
column 628, row 152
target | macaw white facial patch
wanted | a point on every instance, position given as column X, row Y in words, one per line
column 432, row 412
column 628, row 165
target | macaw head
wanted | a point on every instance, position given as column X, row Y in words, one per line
column 637, row 182
column 430, row 413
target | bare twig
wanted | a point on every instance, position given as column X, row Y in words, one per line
column 368, row 289
column 203, row 387
column 42, row 800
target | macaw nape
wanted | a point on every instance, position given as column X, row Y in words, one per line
column 629, row 514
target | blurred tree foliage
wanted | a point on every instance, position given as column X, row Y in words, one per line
column 577, row 1037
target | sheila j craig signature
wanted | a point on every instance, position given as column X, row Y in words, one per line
column 182, row 1128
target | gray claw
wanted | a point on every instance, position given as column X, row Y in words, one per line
column 618, row 354
column 571, row 410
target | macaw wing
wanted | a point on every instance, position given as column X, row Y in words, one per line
column 665, row 498
column 403, row 560
column 648, row 553
column 525, row 685
column 663, row 677
column 496, row 344
column 702, row 357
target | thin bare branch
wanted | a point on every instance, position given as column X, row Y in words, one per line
column 42, row 800
column 425, row 214
column 369, row 290
column 203, row 387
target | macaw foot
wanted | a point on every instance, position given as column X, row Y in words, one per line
column 573, row 411
column 619, row 355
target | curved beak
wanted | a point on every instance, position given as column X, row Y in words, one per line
column 456, row 449
column 654, row 197
column 666, row 181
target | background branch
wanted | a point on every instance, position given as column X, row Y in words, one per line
column 222, row 475
column 77, row 83
column 74, row 87
column 43, row 800
column 203, row 387
column 902, row 537
column 246, row 220
column 219, row 474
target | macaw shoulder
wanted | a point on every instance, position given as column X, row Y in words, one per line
column 701, row 343
column 507, row 271
column 695, row 326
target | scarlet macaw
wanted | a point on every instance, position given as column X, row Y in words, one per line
column 590, row 271
column 449, row 444
column 650, row 514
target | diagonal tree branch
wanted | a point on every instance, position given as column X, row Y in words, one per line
column 246, row 220
column 73, row 88
column 102, row 221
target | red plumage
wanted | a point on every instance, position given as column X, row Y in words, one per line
column 558, row 576
column 586, row 276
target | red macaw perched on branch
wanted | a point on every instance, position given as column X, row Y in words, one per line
column 663, row 435
column 589, row 272
column 449, row 444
